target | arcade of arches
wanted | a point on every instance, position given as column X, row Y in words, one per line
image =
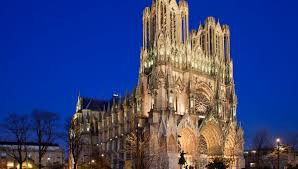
column 204, row 147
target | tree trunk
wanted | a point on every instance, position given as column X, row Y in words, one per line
column 39, row 148
column 75, row 165
column 39, row 162
column 21, row 165
column 258, row 159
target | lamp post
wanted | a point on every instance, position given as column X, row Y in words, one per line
column 278, row 145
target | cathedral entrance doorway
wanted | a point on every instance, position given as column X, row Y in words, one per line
column 210, row 143
column 189, row 144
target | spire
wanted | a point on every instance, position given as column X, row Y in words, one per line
column 79, row 102
column 126, row 97
column 200, row 26
column 134, row 91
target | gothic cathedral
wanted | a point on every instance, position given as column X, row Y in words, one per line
column 185, row 100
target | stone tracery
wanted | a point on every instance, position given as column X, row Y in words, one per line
column 188, row 141
column 214, row 138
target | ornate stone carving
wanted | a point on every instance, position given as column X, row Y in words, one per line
column 202, row 104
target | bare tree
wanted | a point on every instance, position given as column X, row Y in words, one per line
column 44, row 126
column 283, row 153
column 75, row 141
column 16, row 126
column 137, row 146
column 292, row 140
column 261, row 141
column 136, row 142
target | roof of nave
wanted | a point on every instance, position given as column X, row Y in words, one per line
column 106, row 105
column 95, row 104
column 99, row 104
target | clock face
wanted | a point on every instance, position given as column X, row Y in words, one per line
column 201, row 104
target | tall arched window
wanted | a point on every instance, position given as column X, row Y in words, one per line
column 183, row 29
column 211, row 41
column 165, row 15
column 171, row 26
column 225, row 46
column 147, row 34
column 174, row 23
column 161, row 14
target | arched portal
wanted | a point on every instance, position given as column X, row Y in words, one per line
column 210, row 143
column 211, row 134
column 189, row 144
column 188, row 141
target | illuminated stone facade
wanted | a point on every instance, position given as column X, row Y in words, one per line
column 185, row 97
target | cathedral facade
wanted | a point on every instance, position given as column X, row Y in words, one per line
column 185, row 99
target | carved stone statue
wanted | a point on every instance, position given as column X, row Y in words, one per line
column 182, row 160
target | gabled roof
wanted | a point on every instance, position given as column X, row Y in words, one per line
column 94, row 104
column 106, row 105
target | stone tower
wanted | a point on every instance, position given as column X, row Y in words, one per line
column 185, row 98
column 186, row 87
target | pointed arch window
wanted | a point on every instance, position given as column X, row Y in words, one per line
column 147, row 34
column 211, row 40
column 171, row 26
column 162, row 14
column 183, row 29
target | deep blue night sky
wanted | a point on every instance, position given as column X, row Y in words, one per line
column 50, row 50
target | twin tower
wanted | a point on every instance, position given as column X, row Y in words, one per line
column 170, row 21
column 184, row 58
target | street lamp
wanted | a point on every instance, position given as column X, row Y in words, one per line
column 278, row 145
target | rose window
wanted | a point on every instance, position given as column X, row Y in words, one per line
column 201, row 104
